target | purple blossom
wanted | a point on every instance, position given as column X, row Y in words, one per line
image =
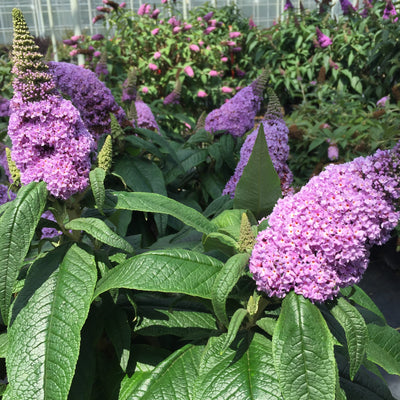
column 318, row 239
column 201, row 93
column 142, row 9
column 157, row 55
column 237, row 115
column 4, row 107
column 104, row 9
column 155, row 13
column 276, row 134
column 208, row 30
column 189, row 71
column 333, row 150
column 382, row 102
column 153, row 67
column 49, row 233
column 98, row 18
column 323, row 40
column 347, row 7
column 251, row 23
column 194, row 47
column 145, row 117
column 389, row 11
column 172, row 98
column 208, row 16
column 88, row 94
column 155, row 31
column 70, row 42
column 6, row 194
column 101, row 69
column 234, row 35
column 98, row 36
column 288, row 5
column 213, row 73
column 367, row 6
column 97, row 53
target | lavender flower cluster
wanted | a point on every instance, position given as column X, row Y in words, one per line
column 318, row 240
column 4, row 107
column 276, row 134
column 237, row 115
column 88, row 94
column 50, row 144
column 145, row 117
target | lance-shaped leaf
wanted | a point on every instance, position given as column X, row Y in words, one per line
column 234, row 325
column 384, row 347
column 259, row 187
column 100, row 231
column 46, row 321
column 355, row 330
column 17, row 227
column 303, row 351
column 224, row 283
column 156, row 203
column 174, row 271
column 97, row 177
column 172, row 379
column 244, row 371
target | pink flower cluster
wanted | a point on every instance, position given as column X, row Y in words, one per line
column 318, row 240
column 323, row 40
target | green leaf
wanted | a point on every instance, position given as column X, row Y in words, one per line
column 220, row 241
column 3, row 345
column 244, row 371
column 224, row 283
column 267, row 324
column 189, row 324
column 234, row 326
column 169, row 380
column 174, row 270
column 355, row 330
column 384, row 347
column 100, row 231
column 47, row 317
column 303, row 351
column 17, row 227
column 142, row 175
column 259, row 187
column 152, row 202
column 97, row 177
column 358, row 296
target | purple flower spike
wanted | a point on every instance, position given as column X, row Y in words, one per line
column 323, row 40
column 145, row 117
column 318, row 239
column 389, row 11
column 347, row 7
column 288, row 5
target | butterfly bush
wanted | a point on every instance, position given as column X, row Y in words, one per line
column 145, row 117
column 50, row 142
column 318, row 239
column 237, row 115
column 276, row 134
column 88, row 94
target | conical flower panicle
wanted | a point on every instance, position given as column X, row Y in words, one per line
column 201, row 122
column 105, row 155
column 260, row 83
column 129, row 92
column 274, row 106
column 31, row 77
column 116, row 131
column 247, row 239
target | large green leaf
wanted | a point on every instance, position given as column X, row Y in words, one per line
column 100, row 231
column 172, row 379
column 224, row 283
column 384, row 347
column 142, row 175
column 358, row 296
column 259, row 187
column 244, row 371
column 303, row 351
column 97, row 177
column 356, row 332
column 152, row 202
column 17, row 227
column 46, row 320
column 174, row 270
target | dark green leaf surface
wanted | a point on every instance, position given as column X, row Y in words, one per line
column 259, row 187
column 384, row 347
column 100, row 231
column 224, row 283
column 174, row 270
column 17, row 227
column 234, row 326
column 303, row 351
column 359, row 297
column 244, row 371
column 152, row 202
column 172, row 379
column 97, row 177
column 356, row 332
column 47, row 317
